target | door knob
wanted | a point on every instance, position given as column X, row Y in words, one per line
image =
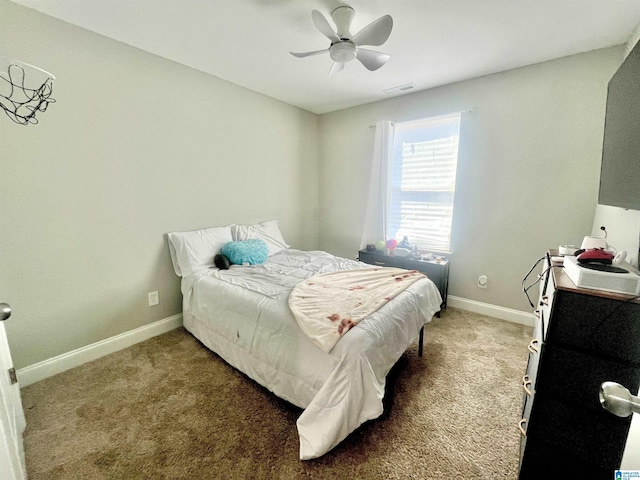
column 618, row 400
column 5, row 311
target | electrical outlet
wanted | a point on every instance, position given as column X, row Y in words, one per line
column 483, row 281
column 154, row 299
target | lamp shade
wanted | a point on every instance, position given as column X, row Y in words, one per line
column 593, row 242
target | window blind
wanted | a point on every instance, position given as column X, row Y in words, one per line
column 423, row 178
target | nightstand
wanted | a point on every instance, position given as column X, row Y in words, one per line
column 438, row 272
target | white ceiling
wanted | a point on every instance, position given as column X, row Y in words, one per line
column 433, row 42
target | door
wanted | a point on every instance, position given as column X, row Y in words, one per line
column 12, row 422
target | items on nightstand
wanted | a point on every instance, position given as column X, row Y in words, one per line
column 404, row 244
column 403, row 248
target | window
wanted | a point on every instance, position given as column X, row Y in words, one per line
column 423, row 179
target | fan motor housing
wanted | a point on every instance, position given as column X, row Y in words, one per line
column 342, row 52
column 342, row 17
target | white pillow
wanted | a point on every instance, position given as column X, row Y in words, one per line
column 193, row 251
column 267, row 231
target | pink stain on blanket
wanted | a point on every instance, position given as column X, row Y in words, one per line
column 345, row 325
column 357, row 287
column 399, row 276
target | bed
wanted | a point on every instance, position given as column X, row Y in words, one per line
column 243, row 315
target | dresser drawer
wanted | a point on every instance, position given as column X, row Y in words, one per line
column 527, row 405
column 545, row 306
column 543, row 461
column 598, row 438
column 531, row 374
column 428, row 267
column 535, row 349
column 377, row 259
column 575, row 378
column 596, row 325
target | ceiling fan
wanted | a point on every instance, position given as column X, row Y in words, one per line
column 346, row 47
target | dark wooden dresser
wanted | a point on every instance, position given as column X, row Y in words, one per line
column 581, row 339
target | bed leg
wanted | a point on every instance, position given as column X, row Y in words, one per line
column 421, row 341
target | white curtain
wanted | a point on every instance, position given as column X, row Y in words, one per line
column 376, row 219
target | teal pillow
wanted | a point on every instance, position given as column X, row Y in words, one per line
column 253, row 251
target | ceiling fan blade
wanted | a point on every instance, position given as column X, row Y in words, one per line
column 376, row 33
column 308, row 54
column 336, row 67
column 323, row 26
column 371, row 59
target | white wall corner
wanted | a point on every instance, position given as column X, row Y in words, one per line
column 508, row 314
column 66, row 361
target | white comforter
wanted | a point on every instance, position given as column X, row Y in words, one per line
column 242, row 314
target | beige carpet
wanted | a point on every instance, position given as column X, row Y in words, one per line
column 170, row 409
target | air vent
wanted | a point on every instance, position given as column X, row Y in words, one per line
column 400, row 89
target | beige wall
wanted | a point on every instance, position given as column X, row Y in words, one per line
column 528, row 173
column 135, row 147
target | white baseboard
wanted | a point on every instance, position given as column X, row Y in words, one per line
column 66, row 361
column 508, row 314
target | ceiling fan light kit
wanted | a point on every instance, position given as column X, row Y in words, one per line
column 342, row 52
column 345, row 47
